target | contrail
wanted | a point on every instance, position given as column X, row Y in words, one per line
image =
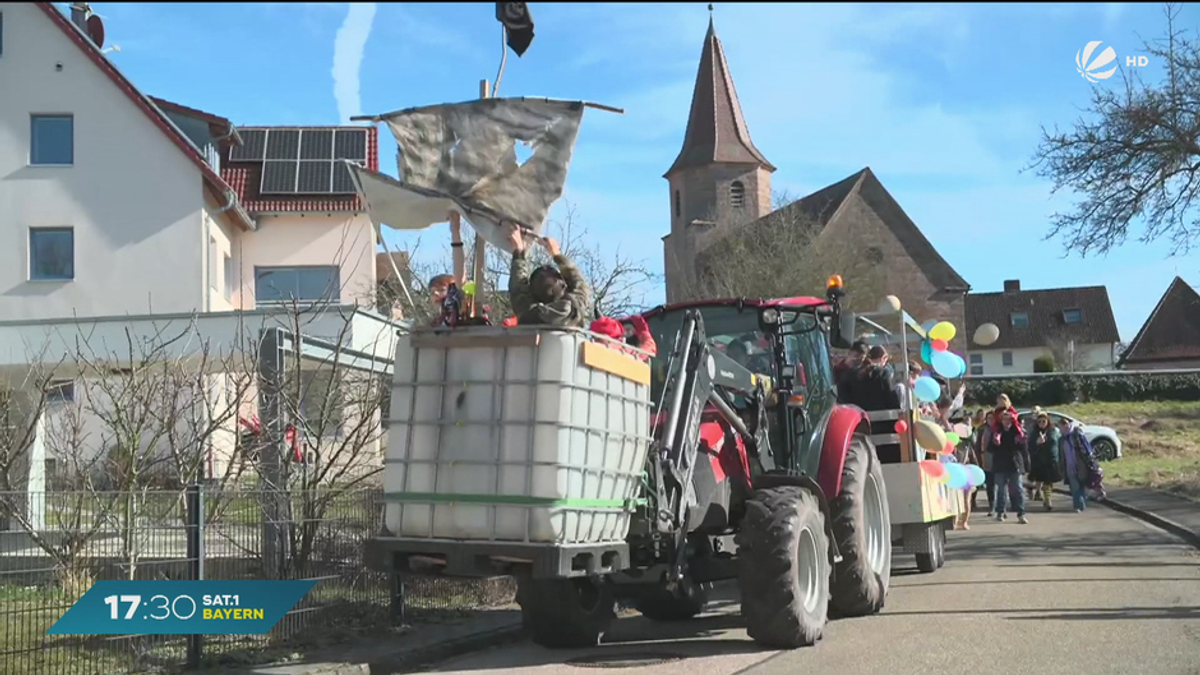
column 348, row 49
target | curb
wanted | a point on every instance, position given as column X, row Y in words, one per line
column 425, row 655
column 1189, row 536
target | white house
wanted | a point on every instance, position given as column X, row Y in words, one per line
column 1073, row 326
column 115, row 204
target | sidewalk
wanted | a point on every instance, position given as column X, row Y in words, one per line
column 1178, row 515
column 423, row 645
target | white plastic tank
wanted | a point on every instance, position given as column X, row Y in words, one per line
column 526, row 434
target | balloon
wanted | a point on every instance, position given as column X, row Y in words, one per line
column 926, row 351
column 962, row 430
column 943, row 330
column 929, row 435
column 469, row 288
column 986, row 334
column 939, row 345
column 944, row 478
column 978, row 477
column 948, row 449
column 944, row 364
column 953, row 438
column 901, row 426
column 889, row 303
column 926, row 388
column 961, row 363
column 957, row 478
column 933, row 468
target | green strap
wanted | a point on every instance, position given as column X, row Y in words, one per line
column 509, row 500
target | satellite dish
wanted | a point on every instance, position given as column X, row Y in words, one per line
column 95, row 30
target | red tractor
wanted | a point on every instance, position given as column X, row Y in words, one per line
column 754, row 472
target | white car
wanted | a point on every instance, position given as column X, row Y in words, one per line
column 1105, row 442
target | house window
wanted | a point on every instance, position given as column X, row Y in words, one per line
column 1071, row 316
column 52, row 254
column 52, row 140
column 1006, row 359
column 678, row 206
column 229, row 272
column 1020, row 319
column 737, row 194
column 274, row 285
column 60, row 391
column 976, row 363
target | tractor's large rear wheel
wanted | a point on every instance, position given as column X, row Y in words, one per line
column 862, row 527
column 784, row 568
column 566, row 613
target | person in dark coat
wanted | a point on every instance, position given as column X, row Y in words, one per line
column 553, row 295
column 1010, row 461
column 1044, row 469
column 847, row 368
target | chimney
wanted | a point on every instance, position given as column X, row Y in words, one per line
column 80, row 11
column 1012, row 286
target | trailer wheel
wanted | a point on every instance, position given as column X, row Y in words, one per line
column 930, row 562
column 566, row 613
column 784, row 568
column 663, row 605
column 862, row 527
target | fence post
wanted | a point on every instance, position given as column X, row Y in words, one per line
column 195, row 553
column 397, row 600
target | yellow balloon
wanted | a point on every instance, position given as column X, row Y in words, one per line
column 943, row 330
column 929, row 435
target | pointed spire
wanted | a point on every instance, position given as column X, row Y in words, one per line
column 716, row 129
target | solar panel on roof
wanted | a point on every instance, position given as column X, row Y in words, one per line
column 351, row 144
column 254, row 143
column 279, row 177
column 316, row 144
column 315, row 177
column 283, row 144
column 342, row 182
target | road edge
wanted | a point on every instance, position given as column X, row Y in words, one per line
column 1183, row 532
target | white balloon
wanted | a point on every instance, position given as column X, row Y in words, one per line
column 890, row 304
column 987, row 334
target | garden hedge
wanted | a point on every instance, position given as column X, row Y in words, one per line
column 1062, row 388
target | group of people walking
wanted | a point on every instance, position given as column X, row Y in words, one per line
column 1039, row 451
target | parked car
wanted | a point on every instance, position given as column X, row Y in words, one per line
column 1105, row 442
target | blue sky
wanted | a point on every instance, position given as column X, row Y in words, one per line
column 943, row 102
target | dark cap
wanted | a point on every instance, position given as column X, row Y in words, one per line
column 875, row 353
column 859, row 346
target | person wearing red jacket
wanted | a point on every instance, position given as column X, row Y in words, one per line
column 640, row 339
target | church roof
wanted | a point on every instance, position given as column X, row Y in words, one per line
column 1172, row 331
column 716, row 129
column 820, row 207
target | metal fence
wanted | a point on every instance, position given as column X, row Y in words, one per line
column 55, row 545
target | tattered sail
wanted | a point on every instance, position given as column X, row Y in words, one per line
column 462, row 156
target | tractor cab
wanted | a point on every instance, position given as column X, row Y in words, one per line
column 771, row 364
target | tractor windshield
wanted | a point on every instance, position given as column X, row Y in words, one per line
column 734, row 332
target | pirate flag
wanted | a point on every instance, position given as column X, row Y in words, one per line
column 518, row 25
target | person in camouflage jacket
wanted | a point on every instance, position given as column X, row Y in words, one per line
column 552, row 295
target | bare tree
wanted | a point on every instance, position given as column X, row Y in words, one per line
column 784, row 254
column 1133, row 155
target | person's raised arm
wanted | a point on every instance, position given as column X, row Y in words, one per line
column 456, row 249
column 518, row 274
column 577, row 287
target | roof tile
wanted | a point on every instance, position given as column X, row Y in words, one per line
column 1046, row 321
column 1172, row 330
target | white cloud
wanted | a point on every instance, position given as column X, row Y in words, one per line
column 348, row 49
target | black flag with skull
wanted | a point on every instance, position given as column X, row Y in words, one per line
column 518, row 25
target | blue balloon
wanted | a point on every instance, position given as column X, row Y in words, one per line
column 976, row 474
column 926, row 351
column 959, row 479
column 945, row 364
column 928, row 325
column 927, row 389
column 962, row 364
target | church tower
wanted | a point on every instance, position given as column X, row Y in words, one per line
column 719, row 177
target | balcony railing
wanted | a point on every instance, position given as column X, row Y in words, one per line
column 212, row 156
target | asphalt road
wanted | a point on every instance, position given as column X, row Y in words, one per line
column 1091, row 593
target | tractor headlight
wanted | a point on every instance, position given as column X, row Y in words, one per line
column 770, row 316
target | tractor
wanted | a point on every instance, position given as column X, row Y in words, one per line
column 599, row 478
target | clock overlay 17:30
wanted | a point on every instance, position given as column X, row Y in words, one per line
column 181, row 607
